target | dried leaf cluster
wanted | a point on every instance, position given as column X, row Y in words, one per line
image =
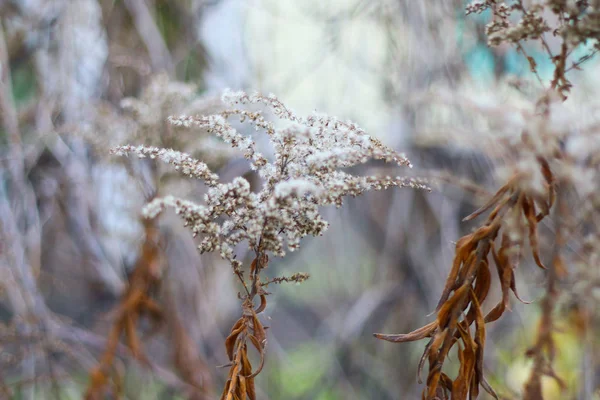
column 247, row 330
column 547, row 206
column 468, row 285
column 547, row 160
column 308, row 170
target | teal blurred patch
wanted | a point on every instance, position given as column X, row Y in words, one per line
column 515, row 63
column 480, row 63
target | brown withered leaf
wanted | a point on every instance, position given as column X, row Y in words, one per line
column 446, row 385
column 463, row 249
column 467, row 268
column 260, row 349
column 504, row 274
column 528, row 208
column 423, row 358
column 246, row 374
column 231, row 340
column 437, row 353
column 448, row 311
column 466, row 357
column 259, row 331
column 232, row 381
column 263, row 301
column 243, row 388
column 513, row 287
column 479, row 350
column 481, row 290
column 492, row 201
column 417, row 334
column 240, row 383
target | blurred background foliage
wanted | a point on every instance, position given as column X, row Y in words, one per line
column 82, row 76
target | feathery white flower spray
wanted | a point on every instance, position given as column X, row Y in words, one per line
column 308, row 170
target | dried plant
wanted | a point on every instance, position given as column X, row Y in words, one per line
column 546, row 152
column 66, row 205
column 146, row 295
column 544, row 168
column 136, row 302
column 304, row 174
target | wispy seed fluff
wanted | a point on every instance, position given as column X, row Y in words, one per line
column 304, row 174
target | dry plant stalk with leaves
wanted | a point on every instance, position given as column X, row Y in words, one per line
column 136, row 303
column 550, row 168
column 547, row 163
column 147, row 294
column 306, row 172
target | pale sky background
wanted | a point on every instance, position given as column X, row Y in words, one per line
column 306, row 54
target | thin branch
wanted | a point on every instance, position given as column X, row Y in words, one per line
column 157, row 48
column 8, row 111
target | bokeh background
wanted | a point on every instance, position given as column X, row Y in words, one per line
column 81, row 76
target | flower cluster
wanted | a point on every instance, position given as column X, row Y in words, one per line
column 531, row 26
column 578, row 20
column 183, row 162
column 585, row 28
column 146, row 118
column 308, row 169
column 477, row 7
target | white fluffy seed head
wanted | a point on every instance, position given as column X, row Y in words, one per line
column 304, row 174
